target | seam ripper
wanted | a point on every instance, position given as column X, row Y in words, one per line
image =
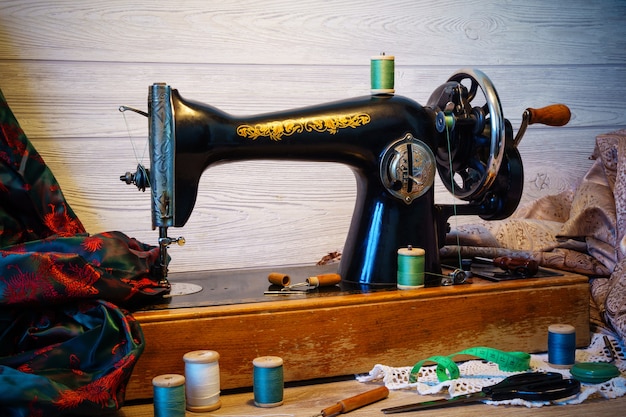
column 352, row 403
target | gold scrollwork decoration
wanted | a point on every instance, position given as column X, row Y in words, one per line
column 275, row 130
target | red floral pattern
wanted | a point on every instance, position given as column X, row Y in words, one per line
column 66, row 344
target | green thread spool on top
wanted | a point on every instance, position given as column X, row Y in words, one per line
column 268, row 382
column 410, row 268
column 382, row 68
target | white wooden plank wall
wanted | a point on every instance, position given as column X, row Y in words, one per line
column 66, row 66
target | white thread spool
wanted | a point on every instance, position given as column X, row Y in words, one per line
column 202, row 373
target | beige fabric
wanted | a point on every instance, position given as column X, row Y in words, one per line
column 581, row 230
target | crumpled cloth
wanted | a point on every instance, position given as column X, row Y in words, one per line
column 582, row 230
column 68, row 343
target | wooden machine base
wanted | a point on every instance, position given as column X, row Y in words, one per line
column 325, row 334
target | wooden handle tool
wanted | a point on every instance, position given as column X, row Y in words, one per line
column 552, row 115
column 352, row 403
column 324, row 280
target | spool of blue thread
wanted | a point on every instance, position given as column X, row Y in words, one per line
column 268, row 381
column 382, row 74
column 561, row 345
column 169, row 395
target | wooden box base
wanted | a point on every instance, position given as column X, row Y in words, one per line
column 325, row 335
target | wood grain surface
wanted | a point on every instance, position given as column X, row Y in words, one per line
column 66, row 67
column 307, row 400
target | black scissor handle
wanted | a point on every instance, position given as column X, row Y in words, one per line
column 519, row 380
column 534, row 387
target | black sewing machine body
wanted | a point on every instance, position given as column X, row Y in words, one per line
column 393, row 145
column 354, row 132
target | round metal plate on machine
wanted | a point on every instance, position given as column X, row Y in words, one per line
column 183, row 288
column 407, row 168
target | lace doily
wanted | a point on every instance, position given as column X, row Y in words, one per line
column 476, row 374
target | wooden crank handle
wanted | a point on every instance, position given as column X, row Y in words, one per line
column 552, row 115
column 358, row 401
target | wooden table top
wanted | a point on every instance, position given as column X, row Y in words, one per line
column 307, row 400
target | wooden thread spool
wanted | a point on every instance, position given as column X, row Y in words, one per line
column 203, row 380
column 382, row 68
column 169, row 395
column 410, row 268
column 561, row 345
column 268, row 383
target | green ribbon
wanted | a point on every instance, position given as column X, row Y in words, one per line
column 448, row 369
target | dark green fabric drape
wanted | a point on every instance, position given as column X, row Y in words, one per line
column 68, row 343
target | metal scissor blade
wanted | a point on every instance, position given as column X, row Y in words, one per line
column 458, row 400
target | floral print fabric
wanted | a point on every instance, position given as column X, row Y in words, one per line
column 68, row 343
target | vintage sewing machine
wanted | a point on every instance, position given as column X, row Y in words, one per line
column 393, row 144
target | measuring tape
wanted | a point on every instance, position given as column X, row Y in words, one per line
column 448, row 369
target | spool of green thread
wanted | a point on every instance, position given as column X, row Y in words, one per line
column 169, row 395
column 382, row 69
column 268, row 381
column 410, row 268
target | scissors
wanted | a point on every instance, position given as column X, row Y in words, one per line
column 531, row 386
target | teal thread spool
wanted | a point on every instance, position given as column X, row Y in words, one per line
column 561, row 345
column 410, row 268
column 268, row 381
column 382, row 68
column 169, row 395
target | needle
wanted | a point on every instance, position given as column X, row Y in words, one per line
column 609, row 346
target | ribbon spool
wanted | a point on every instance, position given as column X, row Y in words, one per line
column 561, row 345
column 203, row 380
column 169, row 395
column 268, row 382
column 382, row 69
column 410, row 268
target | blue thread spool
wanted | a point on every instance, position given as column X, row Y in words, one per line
column 561, row 345
column 169, row 395
column 268, row 382
column 382, row 68
column 410, row 268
